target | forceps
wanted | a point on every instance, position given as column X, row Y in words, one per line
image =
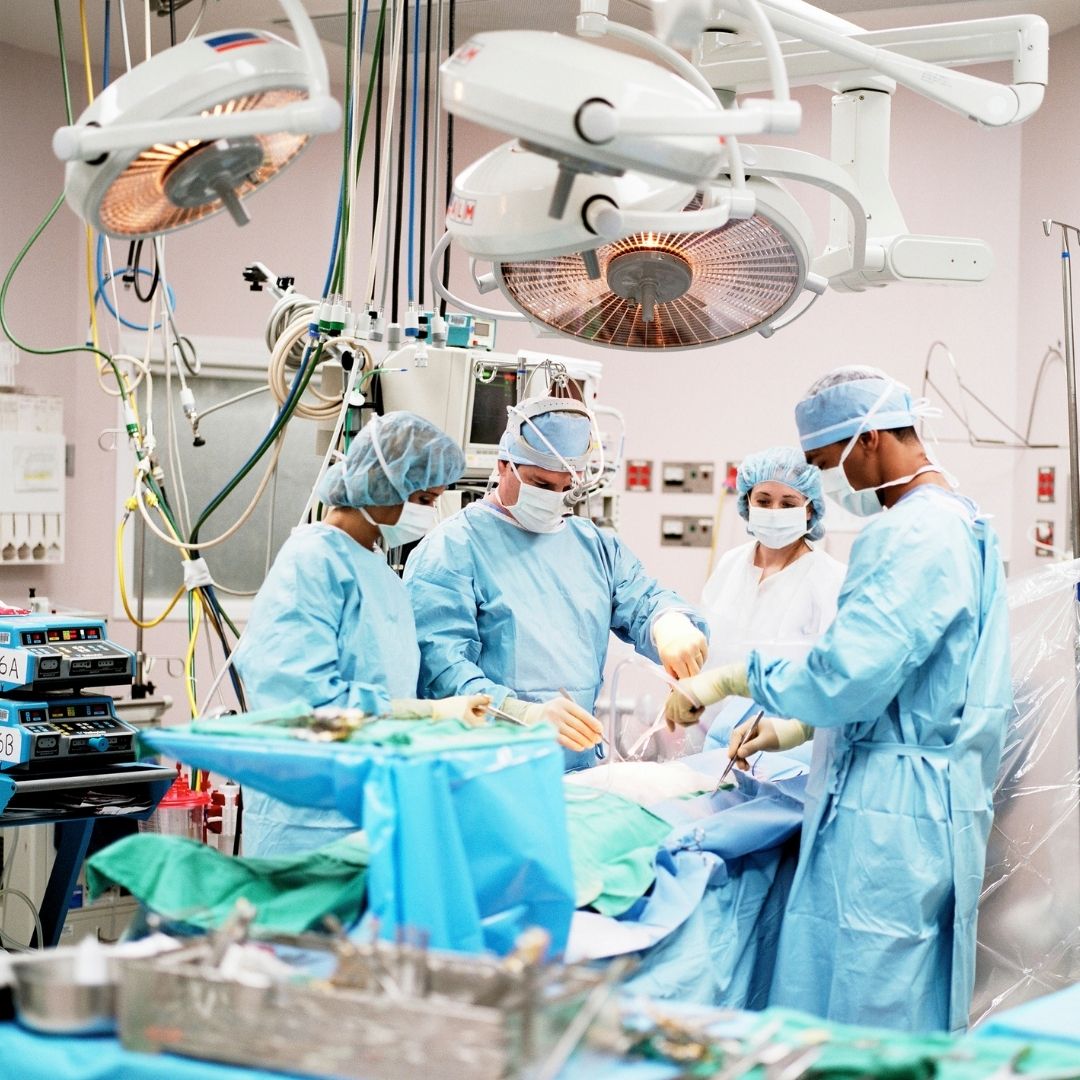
column 491, row 710
column 748, row 734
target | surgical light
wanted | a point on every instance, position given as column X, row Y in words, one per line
column 674, row 290
column 196, row 129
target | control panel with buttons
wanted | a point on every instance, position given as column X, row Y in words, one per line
column 44, row 653
column 58, row 729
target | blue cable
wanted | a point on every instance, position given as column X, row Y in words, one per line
column 105, row 61
column 103, row 279
column 410, row 286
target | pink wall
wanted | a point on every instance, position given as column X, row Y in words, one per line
column 950, row 176
column 1050, row 188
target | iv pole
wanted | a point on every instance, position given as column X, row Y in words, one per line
column 1070, row 380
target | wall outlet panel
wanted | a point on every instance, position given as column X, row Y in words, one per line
column 688, row 477
column 686, row 530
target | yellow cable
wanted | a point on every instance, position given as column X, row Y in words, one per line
column 189, row 659
column 147, row 625
column 86, row 52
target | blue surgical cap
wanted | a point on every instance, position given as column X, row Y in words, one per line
column 838, row 407
column 392, row 457
column 564, row 422
column 784, row 465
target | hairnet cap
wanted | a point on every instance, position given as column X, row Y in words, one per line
column 565, row 423
column 784, row 465
column 392, row 457
column 838, row 406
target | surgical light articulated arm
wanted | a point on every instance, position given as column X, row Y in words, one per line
column 919, row 58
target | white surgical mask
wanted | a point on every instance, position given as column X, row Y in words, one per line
column 778, row 528
column 864, row 502
column 415, row 522
column 538, row 509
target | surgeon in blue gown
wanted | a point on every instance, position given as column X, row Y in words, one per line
column 911, row 688
column 332, row 624
column 515, row 599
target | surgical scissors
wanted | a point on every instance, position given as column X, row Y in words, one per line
column 748, row 734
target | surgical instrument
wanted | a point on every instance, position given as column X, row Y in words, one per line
column 749, row 733
column 600, row 744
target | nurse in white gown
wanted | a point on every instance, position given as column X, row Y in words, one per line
column 777, row 593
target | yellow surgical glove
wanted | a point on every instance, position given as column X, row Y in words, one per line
column 470, row 708
column 680, row 644
column 771, row 734
column 691, row 696
column 578, row 729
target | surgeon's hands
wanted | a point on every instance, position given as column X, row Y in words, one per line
column 771, row 733
column 681, row 645
column 472, row 708
column 578, row 729
column 689, row 699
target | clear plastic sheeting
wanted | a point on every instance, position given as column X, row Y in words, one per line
column 1029, row 913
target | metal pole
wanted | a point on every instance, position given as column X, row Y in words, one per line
column 1070, row 381
column 140, row 600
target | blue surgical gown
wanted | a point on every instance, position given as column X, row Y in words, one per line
column 910, row 687
column 503, row 611
column 331, row 625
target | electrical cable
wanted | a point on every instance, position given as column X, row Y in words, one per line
column 383, row 183
column 105, row 46
column 399, row 190
column 104, row 279
column 344, row 187
column 121, row 580
column 172, row 22
column 362, row 140
column 451, row 42
column 410, row 283
column 10, row 943
column 303, row 376
column 124, row 34
column 377, row 60
column 424, row 165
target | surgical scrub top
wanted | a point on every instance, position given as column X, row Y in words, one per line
column 911, row 685
column 331, row 625
column 503, row 611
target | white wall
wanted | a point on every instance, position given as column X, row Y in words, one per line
column 950, row 176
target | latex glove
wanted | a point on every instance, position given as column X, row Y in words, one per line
column 471, row 708
column 681, row 645
column 771, row 734
column 689, row 699
column 578, row 729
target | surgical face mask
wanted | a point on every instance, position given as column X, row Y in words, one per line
column 415, row 522
column 864, row 502
column 778, row 528
column 537, row 509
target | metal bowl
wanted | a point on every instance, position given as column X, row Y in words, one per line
column 50, row 997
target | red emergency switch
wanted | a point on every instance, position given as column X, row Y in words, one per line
column 639, row 475
column 1044, row 538
column 1045, row 489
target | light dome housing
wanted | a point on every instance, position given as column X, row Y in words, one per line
column 532, row 85
column 498, row 209
column 743, row 277
column 159, row 186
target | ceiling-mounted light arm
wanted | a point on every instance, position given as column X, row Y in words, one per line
column 987, row 102
column 783, row 163
column 318, row 114
column 434, row 276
